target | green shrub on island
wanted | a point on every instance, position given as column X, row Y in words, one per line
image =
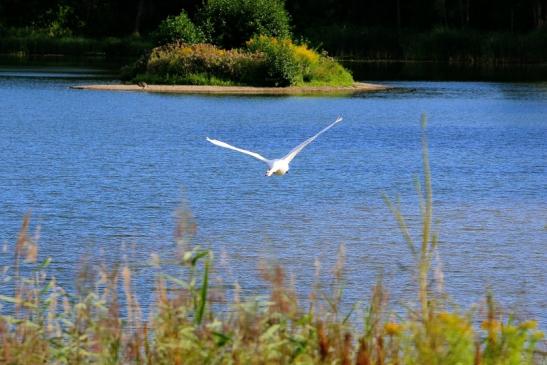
column 291, row 64
column 282, row 66
column 265, row 61
column 196, row 64
column 230, row 23
column 178, row 28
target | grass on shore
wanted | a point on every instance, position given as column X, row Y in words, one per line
column 37, row 43
column 192, row 324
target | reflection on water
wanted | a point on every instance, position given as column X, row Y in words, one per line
column 56, row 72
column 61, row 67
column 373, row 70
column 105, row 172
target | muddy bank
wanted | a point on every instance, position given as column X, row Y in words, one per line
column 356, row 88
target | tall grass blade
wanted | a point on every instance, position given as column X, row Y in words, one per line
column 203, row 293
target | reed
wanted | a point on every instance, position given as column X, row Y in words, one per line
column 190, row 323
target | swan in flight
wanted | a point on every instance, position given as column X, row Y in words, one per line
column 278, row 166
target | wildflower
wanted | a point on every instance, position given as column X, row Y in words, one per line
column 215, row 326
column 32, row 252
column 186, row 51
column 509, row 330
column 528, row 325
column 306, row 54
column 455, row 321
column 446, row 317
column 393, row 329
column 187, row 257
column 491, row 325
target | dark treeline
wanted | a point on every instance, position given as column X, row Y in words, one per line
column 92, row 18
column 100, row 18
column 463, row 31
column 422, row 15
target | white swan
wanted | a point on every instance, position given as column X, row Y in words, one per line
column 278, row 166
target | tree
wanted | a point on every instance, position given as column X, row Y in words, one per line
column 539, row 11
column 178, row 28
column 230, row 23
column 140, row 10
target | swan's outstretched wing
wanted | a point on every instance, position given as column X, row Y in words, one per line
column 289, row 157
column 250, row 153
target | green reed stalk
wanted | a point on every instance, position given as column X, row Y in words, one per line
column 427, row 214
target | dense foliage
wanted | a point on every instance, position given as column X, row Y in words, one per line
column 230, row 23
column 290, row 64
column 439, row 44
column 192, row 322
column 282, row 66
column 118, row 17
column 178, row 28
column 490, row 32
column 100, row 18
column 183, row 63
column 265, row 61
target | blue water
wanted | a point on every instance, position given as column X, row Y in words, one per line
column 104, row 174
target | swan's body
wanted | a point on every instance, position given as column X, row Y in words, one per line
column 279, row 166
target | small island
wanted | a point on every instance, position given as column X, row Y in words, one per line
column 254, row 55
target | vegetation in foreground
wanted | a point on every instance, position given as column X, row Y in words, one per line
column 191, row 323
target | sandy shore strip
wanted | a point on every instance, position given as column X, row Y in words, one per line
column 356, row 88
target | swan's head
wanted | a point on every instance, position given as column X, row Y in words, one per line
column 269, row 172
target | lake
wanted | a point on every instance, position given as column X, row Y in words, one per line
column 104, row 174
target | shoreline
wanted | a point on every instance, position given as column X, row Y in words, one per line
column 356, row 88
